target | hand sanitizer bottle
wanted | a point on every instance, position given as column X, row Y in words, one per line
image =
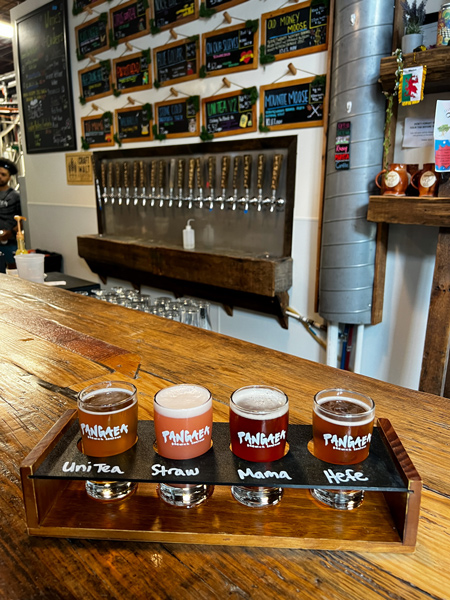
column 189, row 236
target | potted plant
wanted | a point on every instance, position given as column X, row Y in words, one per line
column 414, row 14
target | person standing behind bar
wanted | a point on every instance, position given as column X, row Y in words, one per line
column 9, row 207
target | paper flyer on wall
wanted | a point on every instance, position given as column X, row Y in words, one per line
column 442, row 135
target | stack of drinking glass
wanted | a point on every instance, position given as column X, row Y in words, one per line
column 184, row 310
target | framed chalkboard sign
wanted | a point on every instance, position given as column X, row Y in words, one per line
column 229, row 50
column 79, row 5
column 95, row 81
column 129, row 21
column 295, row 30
column 133, row 124
column 132, row 73
column 178, row 118
column 292, row 105
column 221, row 4
column 92, row 36
column 45, row 83
column 97, row 131
column 176, row 62
column 229, row 114
column 174, row 12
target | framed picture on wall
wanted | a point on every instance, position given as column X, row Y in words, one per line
column 230, row 50
column 129, row 21
column 176, row 62
column 95, row 81
column 174, row 13
column 92, row 37
column 97, row 130
column 134, row 124
column 132, row 72
column 178, row 118
column 229, row 114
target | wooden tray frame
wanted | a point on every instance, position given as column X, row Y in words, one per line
column 386, row 522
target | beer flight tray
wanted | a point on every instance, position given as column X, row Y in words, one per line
column 54, row 473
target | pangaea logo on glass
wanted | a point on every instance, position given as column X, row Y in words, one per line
column 347, row 442
column 260, row 439
column 98, row 433
column 185, row 437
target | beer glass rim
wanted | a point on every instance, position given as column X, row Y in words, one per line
column 182, row 385
column 342, row 392
column 261, row 411
column 114, row 406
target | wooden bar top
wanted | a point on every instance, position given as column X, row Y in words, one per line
column 53, row 343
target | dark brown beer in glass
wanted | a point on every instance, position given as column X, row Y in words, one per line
column 259, row 419
column 342, row 426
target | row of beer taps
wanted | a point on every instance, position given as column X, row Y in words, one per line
column 139, row 182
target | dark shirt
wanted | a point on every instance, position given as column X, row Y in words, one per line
column 9, row 206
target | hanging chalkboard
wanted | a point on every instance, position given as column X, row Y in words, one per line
column 92, row 36
column 79, row 5
column 95, row 81
column 295, row 30
column 222, row 4
column 130, row 20
column 292, row 105
column 132, row 73
column 176, row 62
column 229, row 50
column 168, row 13
column 45, row 83
column 133, row 124
column 178, row 118
column 229, row 114
column 97, row 130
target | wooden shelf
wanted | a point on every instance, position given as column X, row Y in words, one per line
column 257, row 283
column 407, row 210
column 437, row 61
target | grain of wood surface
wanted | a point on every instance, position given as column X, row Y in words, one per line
column 39, row 378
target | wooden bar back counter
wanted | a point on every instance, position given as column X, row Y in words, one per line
column 54, row 343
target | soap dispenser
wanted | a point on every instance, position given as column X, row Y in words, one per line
column 188, row 236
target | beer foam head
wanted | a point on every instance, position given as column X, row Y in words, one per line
column 344, row 407
column 107, row 397
column 183, row 401
column 259, row 402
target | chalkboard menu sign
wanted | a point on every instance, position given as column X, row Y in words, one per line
column 229, row 50
column 168, row 13
column 176, row 62
column 79, row 5
column 178, row 118
column 295, row 30
column 222, row 4
column 133, row 124
column 132, row 73
column 292, row 105
column 98, row 130
column 130, row 20
column 92, row 36
column 229, row 114
column 45, row 83
column 95, row 81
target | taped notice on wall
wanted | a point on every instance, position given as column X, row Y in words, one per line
column 442, row 135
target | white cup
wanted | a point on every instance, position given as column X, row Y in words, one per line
column 30, row 267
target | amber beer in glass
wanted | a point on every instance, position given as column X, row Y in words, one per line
column 342, row 432
column 259, row 417
column 183, row 427
column 108, row 417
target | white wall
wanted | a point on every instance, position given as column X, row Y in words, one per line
column 58, row 213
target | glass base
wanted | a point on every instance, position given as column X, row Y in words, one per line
column 184, row 495
column 339, row 499
column 257, row 496
column 108, row 491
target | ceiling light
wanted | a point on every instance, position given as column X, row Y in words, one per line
column 6, row 30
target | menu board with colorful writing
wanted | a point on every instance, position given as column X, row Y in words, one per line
column 295, row 30
column 132, row 72
column 291, row 105
column 97, row 130
column 92, row 36
column 133, row 124
column 229, row 50
column 45, row 83
column 222, row 4
column 171, row 13
column 95, row 81
column 79, row 5
column 178, row 118
column 176, row 62
column 129, row 21
column 229, row 114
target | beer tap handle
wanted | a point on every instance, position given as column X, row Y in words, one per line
column 180, row 180
column 173, row 164
column 199, row 170
column 110, row 175
column 191, row 173
column 135, row 173
column 117, row 174
column 277, row 160
column 103, row 175
column 162, row 181
column 247, row 170
column 226, row 161
column 236, row 168
column 260, row 171
column 212, row 172
column 141, row 174
column 126, row 172
column 153, row 174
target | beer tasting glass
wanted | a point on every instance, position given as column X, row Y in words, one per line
column 259, row 417
column 108, row 417
column 342, row 431
column 183, row 427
